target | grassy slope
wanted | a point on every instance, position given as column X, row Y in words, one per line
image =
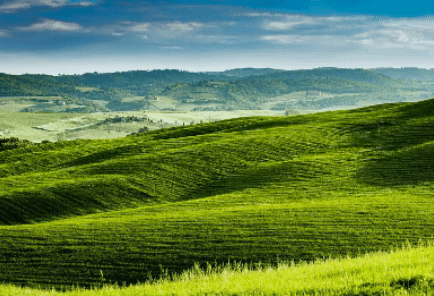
column 406, row 271
column 253, row 189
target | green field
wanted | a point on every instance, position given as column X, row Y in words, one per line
column 41, row 126
column 258, row 189
column 406, row 271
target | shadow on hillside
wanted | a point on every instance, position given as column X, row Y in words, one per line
column 230, row 125
column 420, row 109
column 390, row 133
column 410, row 167
column 259, row 177
column 104, row 155
column 391, row 126
column 67, row 200
column 403, row 127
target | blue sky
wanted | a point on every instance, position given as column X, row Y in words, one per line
column 78, row 36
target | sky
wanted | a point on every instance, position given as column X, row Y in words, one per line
column 78, row 36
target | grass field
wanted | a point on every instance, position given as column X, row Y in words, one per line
column 86, row 88
column 259, row 189
column 37, row 127
column 20, row 124
column 406, row 271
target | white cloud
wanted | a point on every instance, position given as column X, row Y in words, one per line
column 286, row 39
column 173, row 30
column 394, row 38
column 139, row 27
column 419, row 23
column 256, row 14
column 51, row 3
column 85, row 3
column 317, row 41
column 181, row 27
column 166, row 30
column 406, row 33
column 279, row 25
column 156, row 32
column 356, row 18
column 260, row 14
column 172, row 47
column 15, row 5
column 290, row 21
column 220, row 39
column 11, row 7
column 52, row 25
column 363, row 31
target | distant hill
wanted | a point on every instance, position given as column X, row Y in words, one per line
column 33, row 85
column 139, row 82
column 356, row 75
column 244, row 88
column 415, row 74
column 243, row 72
column 250, row 91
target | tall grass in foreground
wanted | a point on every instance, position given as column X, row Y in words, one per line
column 405, row 271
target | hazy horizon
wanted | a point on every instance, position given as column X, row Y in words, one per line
column 184, row 70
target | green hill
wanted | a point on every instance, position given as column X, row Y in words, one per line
column 243, row 72
column 32, row 85
column 249, row 189
column 39, row 90
column 410, row 73
column 246, row 88
column 356, row 75
column 139, row 82
column 342, row 87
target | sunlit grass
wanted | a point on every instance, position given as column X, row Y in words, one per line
column 249, row 190
column 400, row 271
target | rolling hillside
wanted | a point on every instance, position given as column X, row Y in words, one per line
column 308, row 89
column 140, row 83
column 333, row 80
column 249, row 189
column 415, row 74
column 236, row 89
